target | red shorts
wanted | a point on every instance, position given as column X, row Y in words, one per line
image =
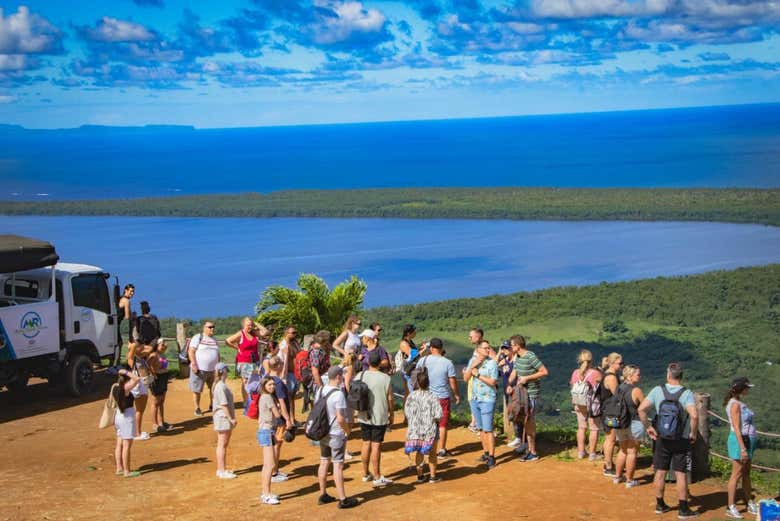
column 445, row 410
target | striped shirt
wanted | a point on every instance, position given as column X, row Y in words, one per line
column 527, row 365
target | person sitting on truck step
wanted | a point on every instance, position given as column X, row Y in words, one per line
column 204, row 357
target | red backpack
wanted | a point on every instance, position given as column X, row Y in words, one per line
column 253, row 411
column 302, row 367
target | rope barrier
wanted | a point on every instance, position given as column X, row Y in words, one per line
column 724, row 420
column 759, row 467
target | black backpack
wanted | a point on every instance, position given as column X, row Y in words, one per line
column 616, row 414
column 318, row 424
column 669, row 422
column 359, row 396
column 148, row 329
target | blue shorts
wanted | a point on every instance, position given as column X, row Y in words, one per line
column 733, row 446
column 291, row 383
column 265, row 438
column 483, row 414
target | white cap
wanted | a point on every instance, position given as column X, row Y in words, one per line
column 368, row 333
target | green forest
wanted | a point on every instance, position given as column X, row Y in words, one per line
column 719, row 325
column 636, row 204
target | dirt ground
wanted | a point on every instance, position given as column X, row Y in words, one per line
column 56, row 464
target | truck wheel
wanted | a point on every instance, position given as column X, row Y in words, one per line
column 79, row 378
column 19, row 384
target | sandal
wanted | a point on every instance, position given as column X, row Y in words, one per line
column 133, row 474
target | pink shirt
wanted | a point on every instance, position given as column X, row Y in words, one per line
column 591, row 376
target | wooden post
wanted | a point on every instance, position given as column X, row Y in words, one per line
column 181, row 335
column 701, row 449
column 506, row 420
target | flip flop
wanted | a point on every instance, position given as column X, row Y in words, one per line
column 133, row 474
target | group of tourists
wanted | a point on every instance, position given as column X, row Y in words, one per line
column 347, row 380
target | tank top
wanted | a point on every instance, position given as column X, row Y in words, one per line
column 413, row 349
column 247, row 349
column 125, row 402
column 747, row 428
column 630, row 405
column 352, row 344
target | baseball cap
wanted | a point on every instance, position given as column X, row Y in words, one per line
column 741, row 382
column 335, row 372
column 368, row 333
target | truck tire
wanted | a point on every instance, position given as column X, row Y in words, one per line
column 79, row 377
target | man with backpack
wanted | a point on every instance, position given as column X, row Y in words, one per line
column 327, row 424
column 528, row 371
column 375, row 420
column 319, row 359
column 148, row 326
column 674, row 432
column 303, row 374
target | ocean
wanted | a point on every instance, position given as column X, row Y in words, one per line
column 732, row 146
column 200, row 267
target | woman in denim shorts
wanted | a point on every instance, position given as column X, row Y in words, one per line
column 630, row 437
column 267, row 415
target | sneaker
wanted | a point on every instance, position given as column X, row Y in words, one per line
column 663, row 508
column 198, row 412
column 632, row 483
column 348, row 456
column 382, row 481
column 278, row 478
column 226, row 474
column 530, row 457
column 283, row 474
column 686, row 513
column 594, row 457
column 270, row 499
column 420, row 478
column 167, row 426
column 753, row 507
column 434, row 479
column 514, row 443
column 443, row 453
column 143, row 436
column 348, row 502
column 325, row 499
column 581, row 455
column 733, row 513
column 610, row 473
column 491, row 462
column 618, row 480
column 367, row 478
column 473, row 428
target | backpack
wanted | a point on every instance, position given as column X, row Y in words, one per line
column 359, row 396
column 519, row 406
column 399, row 362
column 601, row 394
column 318, row 424
column 253, row 411
column 669, row 420
column 616, row 415
column 416, row 371
column 302, row 368
column 581, row 392
column 148, row 331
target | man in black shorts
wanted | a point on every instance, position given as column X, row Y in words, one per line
column 674, row 433
column 374, row 423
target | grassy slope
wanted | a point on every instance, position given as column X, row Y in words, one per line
column 728, row 205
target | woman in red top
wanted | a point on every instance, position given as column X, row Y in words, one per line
column 247, row 357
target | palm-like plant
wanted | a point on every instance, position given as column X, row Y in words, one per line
column 311, row 307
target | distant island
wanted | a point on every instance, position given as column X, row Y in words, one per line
column 738, row 205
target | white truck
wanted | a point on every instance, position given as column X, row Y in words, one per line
column 56, row 320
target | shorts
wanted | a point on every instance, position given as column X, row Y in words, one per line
column 140, row 389
column 483, row 414
column 265, row 438
column 674, row 454
column 372, row 433
column 125, row 423
column 733, row 446
column 635, row 432
column 160, row 385
column 245, row 369
column 197, row 380
column 584, row 421
column 333, row 448
column 291, row 383
column 445, row 412
column 222, row 422
column 535, row 404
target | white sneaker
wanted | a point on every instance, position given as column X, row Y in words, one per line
column 226, row 474
column 732, row 512
column 279, row 478
column 143, row 436
column 348, row 456
column 367, row 478
column 382, row 481
column 283, row 474
column 514, row 443
column 753, row 507
column 632, row 483
column 269, row 500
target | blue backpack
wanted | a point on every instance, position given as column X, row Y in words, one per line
column 669, row 421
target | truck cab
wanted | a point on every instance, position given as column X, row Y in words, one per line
column 55, row 323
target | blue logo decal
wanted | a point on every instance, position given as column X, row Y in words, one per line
column 31, row 324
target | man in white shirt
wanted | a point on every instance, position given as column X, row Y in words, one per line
column 332, row 446
column 203, row 352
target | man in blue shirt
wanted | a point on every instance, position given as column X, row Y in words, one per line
column 674, row 450
column 441, row 374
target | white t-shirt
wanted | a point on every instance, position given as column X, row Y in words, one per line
column 206, row 352
column 352, row 344
column 335, row 401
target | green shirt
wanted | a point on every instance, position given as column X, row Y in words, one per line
column 527, row 365
column 378, row 385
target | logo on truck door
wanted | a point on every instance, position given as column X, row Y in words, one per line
column 31, row 324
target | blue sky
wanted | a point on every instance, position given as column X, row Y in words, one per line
column 278, row 62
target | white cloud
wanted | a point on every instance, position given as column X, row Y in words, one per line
column 28, row 33
column 14, row 62
column 350, row 18
column 6, row 99
column 597, row 8
column 115, row 30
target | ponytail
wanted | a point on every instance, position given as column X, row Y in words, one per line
column 609, row 360
column 585, row 360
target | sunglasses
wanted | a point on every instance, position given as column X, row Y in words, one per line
column 210, row 327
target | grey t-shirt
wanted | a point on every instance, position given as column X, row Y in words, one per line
column 379, row 385
column 265, row 416
column 223, row 396
column 440, row 370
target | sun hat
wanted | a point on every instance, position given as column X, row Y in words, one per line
column 368, row 333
